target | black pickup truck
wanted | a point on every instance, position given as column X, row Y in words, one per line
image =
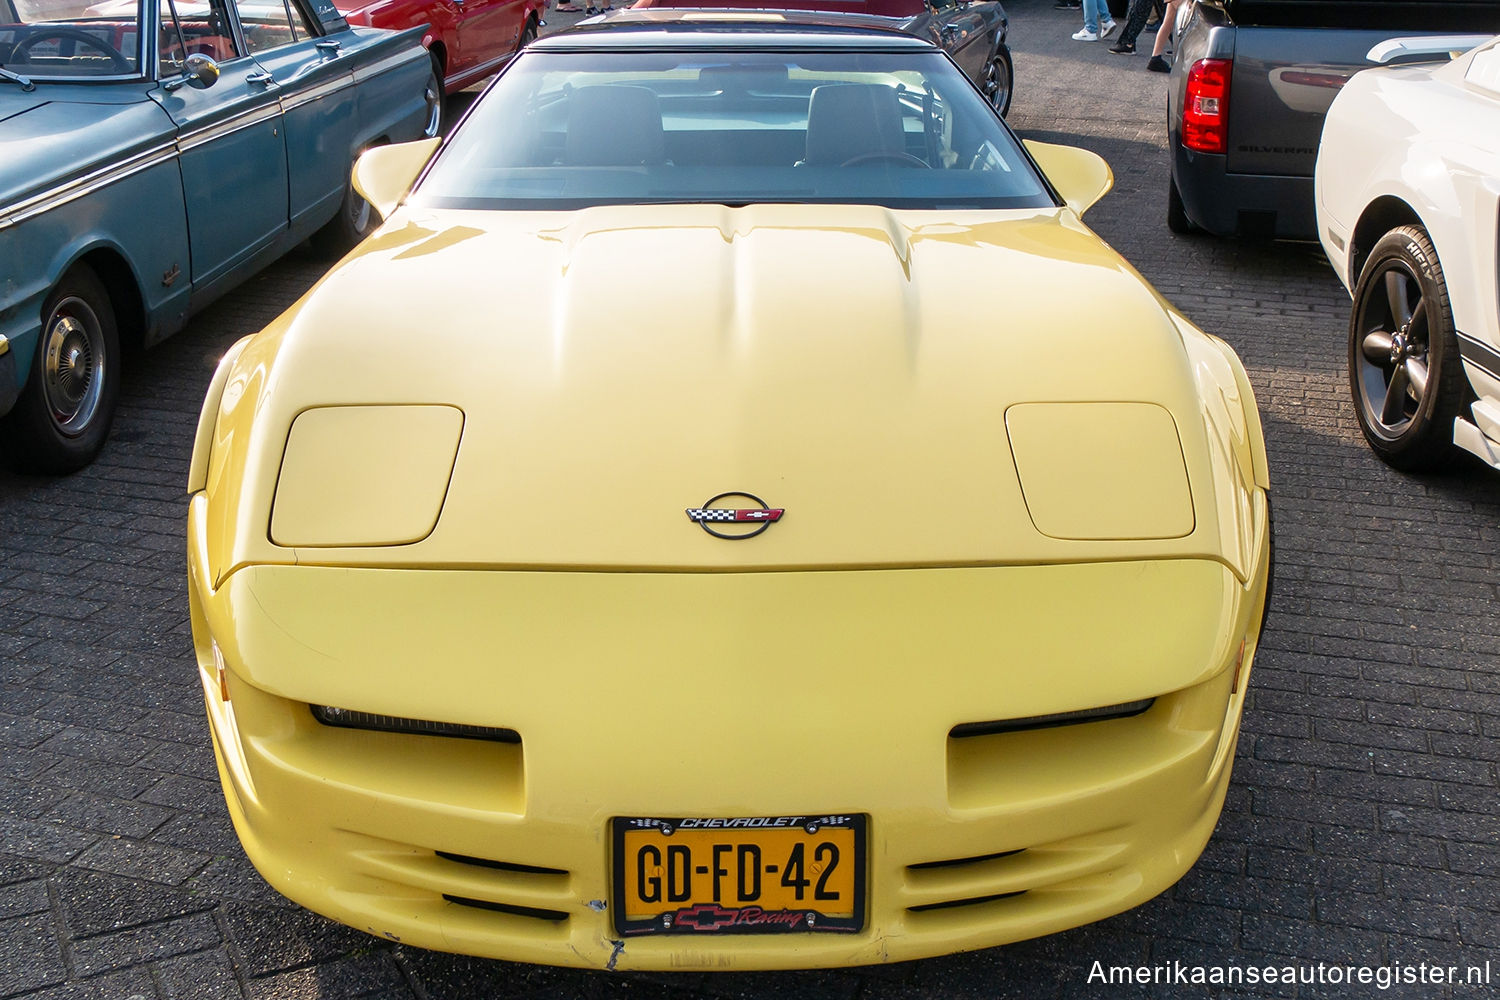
column 1251, row 81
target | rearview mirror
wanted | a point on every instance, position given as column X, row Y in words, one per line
column 384, row 174
column 1081, row 177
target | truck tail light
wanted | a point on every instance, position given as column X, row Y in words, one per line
column 1205, row 107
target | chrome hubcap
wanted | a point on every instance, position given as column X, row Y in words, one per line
column 73, row 366
column 359, row 213
column 434, row 110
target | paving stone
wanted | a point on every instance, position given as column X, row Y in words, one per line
column 275, row 940
column 94, row 903
column 210, row 833
column 183, row 792
column 43, row 841
column 30, row 956
column 19, row 899
column 127, row 984
column 99, row 744
column 109, row 815
column 101, row 713
column 140, row 859
column 27, row 799
column 360, row 976
column 205, row 974
column 70, row 774
column 26, row 731
column 149, row 941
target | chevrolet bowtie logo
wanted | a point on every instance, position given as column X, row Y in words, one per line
column 706, row 917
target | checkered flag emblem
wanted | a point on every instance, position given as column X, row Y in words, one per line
column 752, row 514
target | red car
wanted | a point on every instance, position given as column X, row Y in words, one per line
column 468, row 39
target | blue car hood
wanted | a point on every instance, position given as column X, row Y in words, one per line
column 20, row 102
column 48, row 141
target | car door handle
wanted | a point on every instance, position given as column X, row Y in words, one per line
column 265, row 78
column 330, row 46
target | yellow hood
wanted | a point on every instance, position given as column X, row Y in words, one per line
column 852, row 365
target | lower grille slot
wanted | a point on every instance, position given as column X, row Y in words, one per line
column 534, row 912
column 504, row 866
column 949, row 904
column 955, row 862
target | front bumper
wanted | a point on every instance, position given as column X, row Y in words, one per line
column 716, row 694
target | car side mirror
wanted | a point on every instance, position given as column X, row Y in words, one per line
column 1081, row 177
column 384, row 174
column 198, row 71
column 202, row 72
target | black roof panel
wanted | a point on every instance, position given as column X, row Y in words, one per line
column 812, row 31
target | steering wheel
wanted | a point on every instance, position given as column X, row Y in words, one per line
column 20, row 50
column 905, row 159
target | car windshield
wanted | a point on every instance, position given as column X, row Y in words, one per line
column 71, row 39
column 562, row 130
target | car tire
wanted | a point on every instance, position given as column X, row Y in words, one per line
column 1405, row 372
column 999, row 80
column 62, row 417
column 528, row 33
column 432, row 98
column 1177, row 217
column 355, row 220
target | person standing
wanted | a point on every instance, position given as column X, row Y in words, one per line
column 1135, row 19
column 1163, row 37
column 1097, row 23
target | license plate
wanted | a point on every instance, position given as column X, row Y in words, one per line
column 746, row 875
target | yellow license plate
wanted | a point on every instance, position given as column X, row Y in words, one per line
column 743, row 875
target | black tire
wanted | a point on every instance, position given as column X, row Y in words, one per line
column 62, row 417
column 1405, row 373
column 1177, row 218
column 433, row 96
column 528, row 33
column 999, row 81
column 354, row 221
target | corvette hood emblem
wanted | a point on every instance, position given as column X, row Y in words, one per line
column 724, row 517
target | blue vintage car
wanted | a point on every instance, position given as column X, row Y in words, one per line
column 154, row 154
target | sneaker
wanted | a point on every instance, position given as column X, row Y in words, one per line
column 1067, row 5
column 1123, row 48
column 1086, row 35
column 1107, row 28
column 1159, row 65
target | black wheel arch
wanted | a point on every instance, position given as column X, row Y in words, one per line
column 123, row 286
column 1379, row 217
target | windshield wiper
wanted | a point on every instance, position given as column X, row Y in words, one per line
column 24, row 81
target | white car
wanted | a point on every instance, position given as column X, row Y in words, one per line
column 1408, row 200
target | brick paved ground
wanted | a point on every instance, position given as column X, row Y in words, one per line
column 1361, row 825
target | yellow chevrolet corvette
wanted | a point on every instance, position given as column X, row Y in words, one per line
column 731, row 514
